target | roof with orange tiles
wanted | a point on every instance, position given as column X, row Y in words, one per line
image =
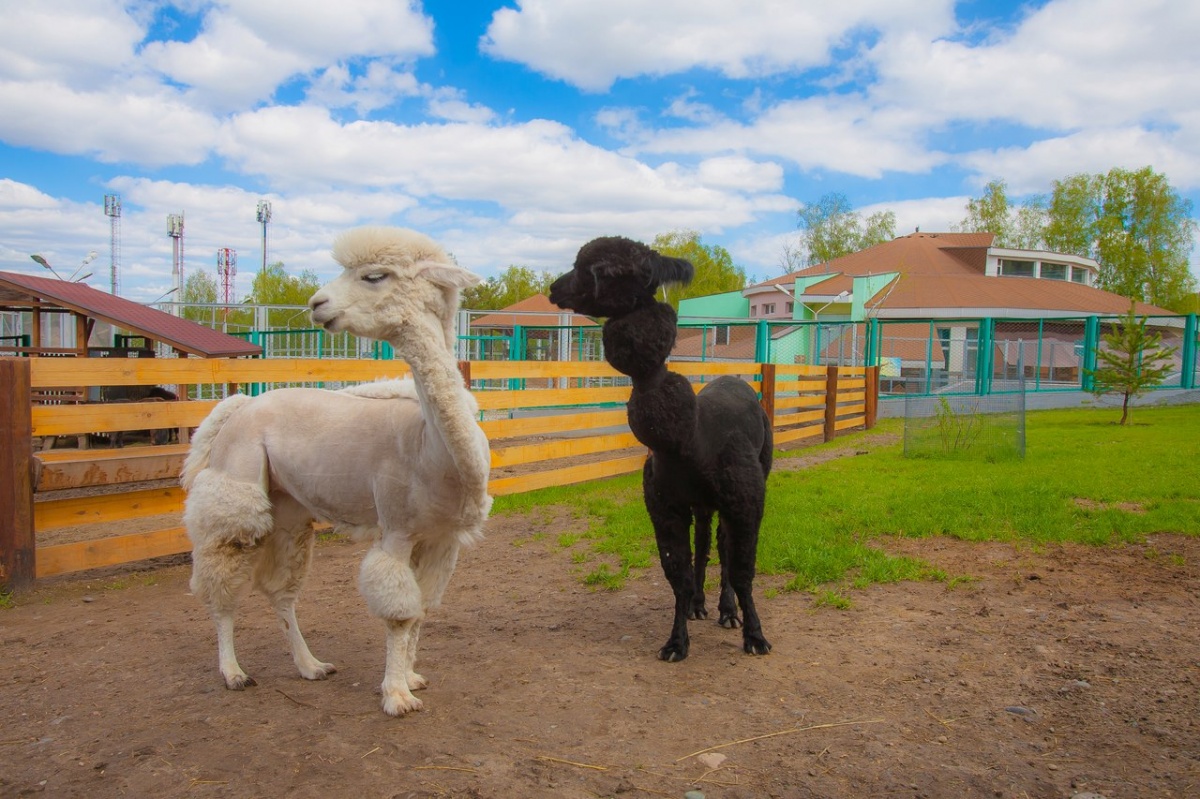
column 940, row 273
column 184, row 335
column 535, row 311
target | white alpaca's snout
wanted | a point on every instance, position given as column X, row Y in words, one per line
column 322, row 311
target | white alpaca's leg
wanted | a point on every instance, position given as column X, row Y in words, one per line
column 433, row 564
column 225, row 519
column 280, row 572
column 390, row 588
column 220, row 573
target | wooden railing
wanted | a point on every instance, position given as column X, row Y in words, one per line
column 550, row 423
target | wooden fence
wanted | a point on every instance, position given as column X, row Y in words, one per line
column 549, row 423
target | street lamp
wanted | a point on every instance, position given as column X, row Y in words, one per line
column 72, row 279
column 40, row 260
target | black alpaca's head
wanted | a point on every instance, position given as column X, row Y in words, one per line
column 614, row 276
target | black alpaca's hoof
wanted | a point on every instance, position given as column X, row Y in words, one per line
column 756, row 646
column 698, row 611
column 673, row 653
column 729, row 621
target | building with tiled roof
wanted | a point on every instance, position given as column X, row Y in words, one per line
column 923, row 302
column 930, row 275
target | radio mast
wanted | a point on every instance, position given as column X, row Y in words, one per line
column 112, row 209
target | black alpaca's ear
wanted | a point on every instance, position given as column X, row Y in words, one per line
column 665, row 269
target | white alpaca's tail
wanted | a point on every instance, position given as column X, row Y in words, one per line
column 202, row 441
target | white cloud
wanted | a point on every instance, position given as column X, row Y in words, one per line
column 247, row 48
column 155, row 128
column 80, row 42
column 753, row 38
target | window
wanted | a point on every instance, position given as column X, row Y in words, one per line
column 1016, row 268
column 768, row 308
column 791, row 308
column 754, row 310
column 721, row 334
column 1079, row 275
column 1054, row 271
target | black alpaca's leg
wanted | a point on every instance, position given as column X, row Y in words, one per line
column 703, row 544
column 727, row 605
column 743, row 545
column 672, row 526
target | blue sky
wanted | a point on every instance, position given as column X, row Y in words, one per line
column 515, row 132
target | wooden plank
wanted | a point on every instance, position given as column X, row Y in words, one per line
column 94, row 467
column 498, row 370
column 800, row 433
column 550, row 397
column 846, row 424
column 700, row 368
column 17, row 543
column 557, row 423
column 785, row 420
column 57, row 513
column 563, row 448
column 787, row 370
column 107, row 417
column 113, row 551
column 813, row 401
column 801, row 386
column 565, row 476
column 57, row 372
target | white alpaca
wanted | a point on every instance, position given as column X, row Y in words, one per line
column 403, row 462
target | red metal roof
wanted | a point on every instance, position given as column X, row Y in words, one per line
column 183, row 334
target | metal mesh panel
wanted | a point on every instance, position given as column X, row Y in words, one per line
column 990, row 428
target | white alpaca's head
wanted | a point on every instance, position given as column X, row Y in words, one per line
column 395, row 283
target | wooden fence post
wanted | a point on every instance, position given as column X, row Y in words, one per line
column 17, row 566
column 872, row 403
column 831, row 402
column 768, row 391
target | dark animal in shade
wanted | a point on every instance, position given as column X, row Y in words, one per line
column 710, row 452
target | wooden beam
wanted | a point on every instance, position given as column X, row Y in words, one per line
column 96, row 467
column 113, row 551
column 831, row 402
column 57, row 513
column 17, row 555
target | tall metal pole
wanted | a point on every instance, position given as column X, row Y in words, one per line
column 264, row 217
column 112, row 209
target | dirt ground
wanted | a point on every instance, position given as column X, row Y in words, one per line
column 1063, row 672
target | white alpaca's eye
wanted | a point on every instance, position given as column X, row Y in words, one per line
column 375, row 277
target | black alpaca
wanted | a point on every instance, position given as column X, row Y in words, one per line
column 709, row 452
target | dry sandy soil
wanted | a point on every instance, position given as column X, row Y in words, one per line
column 1063, row 672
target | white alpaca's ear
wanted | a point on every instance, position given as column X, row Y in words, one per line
column 447, row 275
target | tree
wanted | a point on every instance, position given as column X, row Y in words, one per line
column 1135, row 225
column 200, row 288
column 513, row 285
column 274, row 286
column 1130, row 362
column 715, row 271
column 830, row 228
column 1019, row 227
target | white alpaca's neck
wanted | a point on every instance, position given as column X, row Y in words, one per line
column 447, row 407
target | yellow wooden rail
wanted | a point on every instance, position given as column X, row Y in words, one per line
column 552, row 415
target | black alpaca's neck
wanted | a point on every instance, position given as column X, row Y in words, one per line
column 662, row 406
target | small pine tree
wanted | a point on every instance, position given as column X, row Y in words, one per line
column 1131, row 362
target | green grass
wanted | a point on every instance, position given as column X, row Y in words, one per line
column 1084, row 479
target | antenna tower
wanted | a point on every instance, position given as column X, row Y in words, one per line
column 112, row 209
column 226, row 272
column 175, row 231
column 263, row 215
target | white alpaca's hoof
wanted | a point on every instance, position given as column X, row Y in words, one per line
column 397, row 704
column 416, row 682
column 318, row 671
column 239, row 681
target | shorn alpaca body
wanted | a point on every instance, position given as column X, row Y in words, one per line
column 401, row 463
column 710, row 452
